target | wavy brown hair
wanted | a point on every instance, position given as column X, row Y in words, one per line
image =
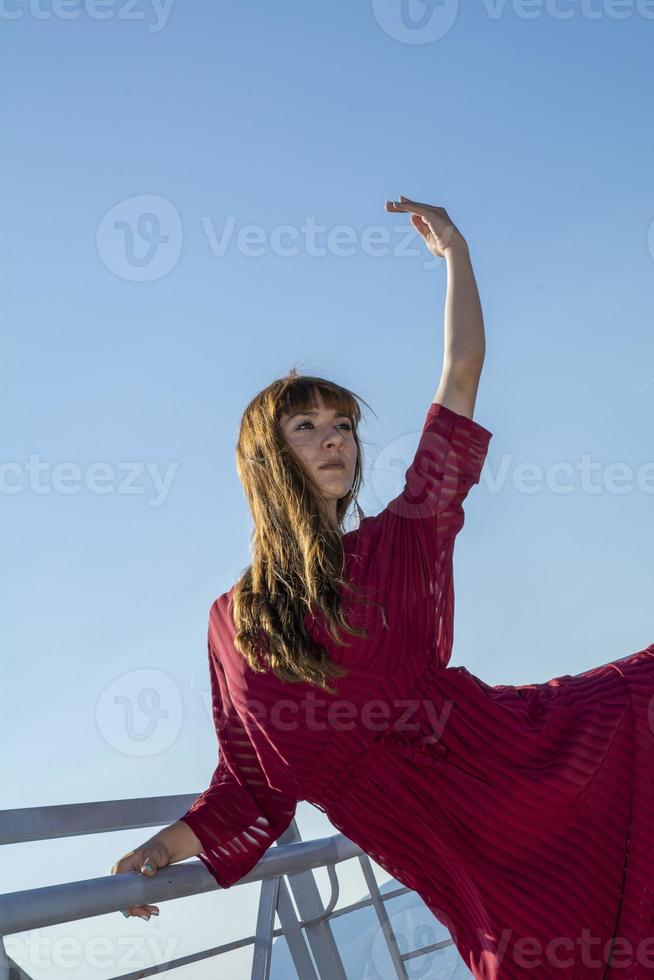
column 298, row 561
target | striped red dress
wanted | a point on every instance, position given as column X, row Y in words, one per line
column 522, row 815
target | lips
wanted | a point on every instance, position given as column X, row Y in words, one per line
column 336, row 465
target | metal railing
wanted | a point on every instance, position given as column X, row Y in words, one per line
column 283, row 870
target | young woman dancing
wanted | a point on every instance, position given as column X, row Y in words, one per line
column 522, row 815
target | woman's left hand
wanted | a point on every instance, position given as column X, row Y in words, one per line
column 433, row 223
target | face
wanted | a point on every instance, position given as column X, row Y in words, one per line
column 318, row 436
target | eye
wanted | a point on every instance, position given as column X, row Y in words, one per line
column 347, row 425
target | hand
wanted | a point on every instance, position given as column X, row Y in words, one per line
column 433, row 223
column 146, row 859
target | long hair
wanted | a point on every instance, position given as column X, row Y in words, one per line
column 298, row 561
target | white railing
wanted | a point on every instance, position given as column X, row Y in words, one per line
column 310, row 939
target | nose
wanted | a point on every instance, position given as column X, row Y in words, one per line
column 334, row 438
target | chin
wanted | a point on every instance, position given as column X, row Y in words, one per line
column 335, row 478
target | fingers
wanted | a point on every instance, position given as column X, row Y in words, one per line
column 138, row 860
column 406, row 204
column 420, row 225
column 419, row 204
column 397, row 206
column 141, row 911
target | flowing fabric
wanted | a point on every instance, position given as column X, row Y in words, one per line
column 522, row 815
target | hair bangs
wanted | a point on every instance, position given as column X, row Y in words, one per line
column 304, row 391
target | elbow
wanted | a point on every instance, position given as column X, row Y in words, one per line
column 466, row 371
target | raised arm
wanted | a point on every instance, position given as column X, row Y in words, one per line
column 464, row 340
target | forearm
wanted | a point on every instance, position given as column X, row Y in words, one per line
column 179, row 840
column 465, row 344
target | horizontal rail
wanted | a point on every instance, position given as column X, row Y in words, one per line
column 38, row 907
column 74, row 819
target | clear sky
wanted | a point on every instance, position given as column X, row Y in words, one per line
column 192, row 202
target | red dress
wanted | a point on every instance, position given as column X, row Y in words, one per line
column 522, row 815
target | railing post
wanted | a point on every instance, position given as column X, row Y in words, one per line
column 265, row 927
column 309, row 903
column 4, row 960
column 294, row 936
column 8, row 969
column 382, row 916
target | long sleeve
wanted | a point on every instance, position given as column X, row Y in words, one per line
column 415, row 528
column 239, row 815
column 414, row 534
column 447, row 462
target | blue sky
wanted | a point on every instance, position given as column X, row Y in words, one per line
column 253, row 133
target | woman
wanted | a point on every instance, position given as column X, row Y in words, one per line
column 522, row 815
